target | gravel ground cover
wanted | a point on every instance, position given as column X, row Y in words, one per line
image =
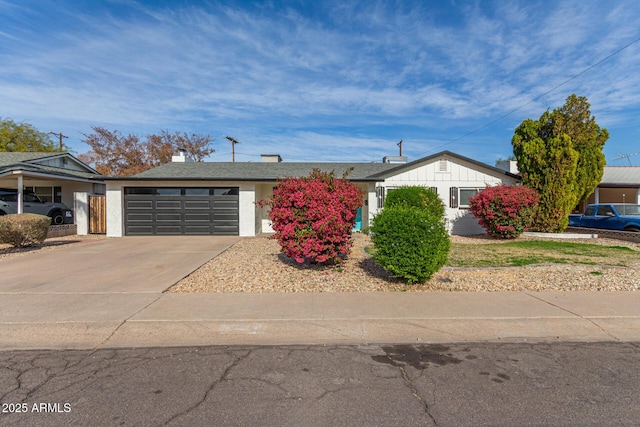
column 256, row 265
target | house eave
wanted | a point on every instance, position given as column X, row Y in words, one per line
column 48, row 176
column 211, row 179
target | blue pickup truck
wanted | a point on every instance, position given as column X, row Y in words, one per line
column 609, row 216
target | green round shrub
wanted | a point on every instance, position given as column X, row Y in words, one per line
column 410, row 242
column 420, row 197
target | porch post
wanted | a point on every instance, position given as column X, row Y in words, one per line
column 20, row 193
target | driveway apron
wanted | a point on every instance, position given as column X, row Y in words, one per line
column 116, row 265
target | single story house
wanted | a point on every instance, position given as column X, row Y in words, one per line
column 54, row 177
column 619, row 184
column 191, row 198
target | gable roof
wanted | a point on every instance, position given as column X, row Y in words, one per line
column 259, row 171
column 442, row 154
column 35, row 163
column 268, row 171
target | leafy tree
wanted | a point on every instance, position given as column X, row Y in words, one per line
column 313, row 216
column 24, row 137
column 113, row 153
column 560, row 156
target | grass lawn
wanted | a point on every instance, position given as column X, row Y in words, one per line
column 519, row 253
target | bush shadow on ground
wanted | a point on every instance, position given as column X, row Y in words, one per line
column 7, row 249
column 308, row 265
column 373, row 269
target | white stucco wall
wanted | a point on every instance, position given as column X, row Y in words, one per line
column 81, row 212
column 458, row 174
column 114, row 197
column 247, row 209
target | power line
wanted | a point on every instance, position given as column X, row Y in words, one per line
column 538, row 97
column 60, row 136
column 233, row 147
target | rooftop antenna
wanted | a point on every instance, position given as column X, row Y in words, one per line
column 233, row 145
column 626, row 156
column 400, row 145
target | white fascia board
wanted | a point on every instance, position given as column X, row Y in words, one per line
column 49, row 176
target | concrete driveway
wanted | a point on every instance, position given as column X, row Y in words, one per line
column 117, row 265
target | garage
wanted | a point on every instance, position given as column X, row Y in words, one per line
column 181, row 211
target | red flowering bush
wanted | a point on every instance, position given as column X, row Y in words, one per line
column 505, row 211
column 313, row 216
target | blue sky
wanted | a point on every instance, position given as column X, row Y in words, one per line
column 321, row 80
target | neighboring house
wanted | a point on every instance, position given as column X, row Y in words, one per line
column 54, row 177
column 619, row 184
column 184, row 197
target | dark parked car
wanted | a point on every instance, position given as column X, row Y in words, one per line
column 31, row 203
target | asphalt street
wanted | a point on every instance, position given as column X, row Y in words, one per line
column 503, row 384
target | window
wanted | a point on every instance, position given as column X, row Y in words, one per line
column 225, row 191
column 465, row 193
column 44, row 193
column 196, row 191
column 30, row 198
column 169, row 191
column 139, row 190
column 459, row 197
column 589, row 211
column 605, row 211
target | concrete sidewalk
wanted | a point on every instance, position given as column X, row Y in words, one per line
column 100, row 320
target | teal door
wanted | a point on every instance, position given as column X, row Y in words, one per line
column 358, row 225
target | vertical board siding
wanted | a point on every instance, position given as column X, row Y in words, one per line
column 97, row 214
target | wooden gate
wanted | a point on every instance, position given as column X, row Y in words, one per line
column 97, row 214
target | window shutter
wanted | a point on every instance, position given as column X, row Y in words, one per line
column 453, row 197
column 380, row 194
column 434, row 189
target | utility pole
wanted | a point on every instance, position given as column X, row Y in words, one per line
column 400, row 145
column 233, row 145
column 60, row 136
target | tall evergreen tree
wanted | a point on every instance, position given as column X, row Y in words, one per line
column 560, row 155
column 547, row 164
column 575, row 120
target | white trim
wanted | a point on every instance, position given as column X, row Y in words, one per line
column 64, row 155
column 20, row 194
column 49, row 176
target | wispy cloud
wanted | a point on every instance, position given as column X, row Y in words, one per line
column 361, row 73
